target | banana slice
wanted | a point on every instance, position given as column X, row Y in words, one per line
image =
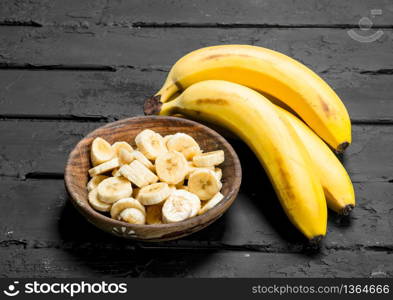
column 97, row 204
column 138, row 174
column 143, row 160
column 209, row 159
column 190, row 197
column 167, row 138
column 114, row 188
column 121, row 145
column 104, row 167
column 171, row 167
column 176, row 209
column 154, row 193
column 132, row 216
column 154, row 214
column 124, row 203
column 192, row 168
column 101, row 151
column 93, row 183
column 204, row 184
column 150, row 143
column 184, row 144
column 218, row 172
column 211, row 203
column 125, row 156
column 116, row 172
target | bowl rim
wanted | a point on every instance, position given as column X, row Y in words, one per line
column 209, row 215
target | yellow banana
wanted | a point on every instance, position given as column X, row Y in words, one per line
column 255, row 120
column 335, row 181
column 272, row 73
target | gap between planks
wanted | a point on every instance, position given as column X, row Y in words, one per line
column 114, row 68
column 192, row 246
column 31, row 23
column 60, row 176
column 106, row 119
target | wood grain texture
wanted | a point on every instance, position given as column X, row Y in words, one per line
column 100, row 95
column 255, row 221
column 66, row 63
column 183, row 12
column 323, row 50
column 79, row 262
column 367, row 159
column 78, row 164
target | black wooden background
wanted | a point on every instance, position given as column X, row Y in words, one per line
column 67, row 67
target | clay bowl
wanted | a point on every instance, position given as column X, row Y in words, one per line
column 76, row 176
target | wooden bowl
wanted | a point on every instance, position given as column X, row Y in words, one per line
column 76, row 176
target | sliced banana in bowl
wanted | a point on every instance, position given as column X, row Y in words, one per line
column 154, row 193
column 152, row 178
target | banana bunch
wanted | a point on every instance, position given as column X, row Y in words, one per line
column 168, row 179
column 242, row 88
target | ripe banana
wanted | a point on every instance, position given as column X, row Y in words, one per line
column 171, row 167
column 113, row 188
column 255, row 120
column 271, row 73
column 101, row 151
column 150, row 143
column 204, row 183
column 337, row 185
column 209, row 159
column 154, row 193
column 184, row 144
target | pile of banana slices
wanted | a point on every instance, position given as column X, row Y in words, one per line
column 165, row 180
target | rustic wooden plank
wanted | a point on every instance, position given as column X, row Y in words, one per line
column 119, row 94
column 209, row 13
column 19, row 262
column 76, row 93
column 43, row 147
column 255, row 221
column 324, row 50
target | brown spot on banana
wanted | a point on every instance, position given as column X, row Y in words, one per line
column 212, row 101
column 325, row 106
